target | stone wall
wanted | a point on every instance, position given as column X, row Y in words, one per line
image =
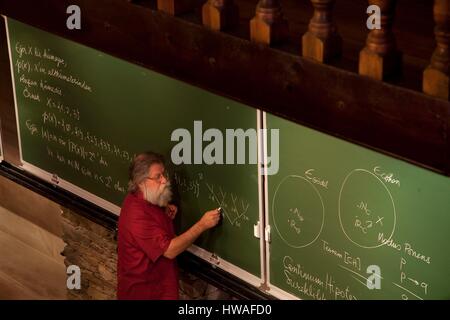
column 194, row 288
column 93, row 248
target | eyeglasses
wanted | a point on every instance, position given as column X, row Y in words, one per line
column 159, row 176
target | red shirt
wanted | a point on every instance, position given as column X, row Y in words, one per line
column 145, row 232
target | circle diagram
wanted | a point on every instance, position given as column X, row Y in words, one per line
column 366, row 210
column 298, row 211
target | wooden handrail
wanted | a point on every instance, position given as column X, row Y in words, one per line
column 380, row 58
column 322, row 41
column 269, row 25
column 436, row 76
column 220, row 14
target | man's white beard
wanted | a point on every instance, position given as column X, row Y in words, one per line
column 160, row 197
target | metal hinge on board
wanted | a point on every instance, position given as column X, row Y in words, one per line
column 214, row 259
column 267, row 233
column 256, row 230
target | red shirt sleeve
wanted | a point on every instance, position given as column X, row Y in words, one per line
column 151, row 234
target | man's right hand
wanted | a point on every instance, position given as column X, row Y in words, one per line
column 210, row 219
column 184, row 240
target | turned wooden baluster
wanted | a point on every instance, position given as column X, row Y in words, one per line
column 268, row 26
column 322, row 42
column 175, row 7
column 436, row 76
column 220, row 14
column 380, row 59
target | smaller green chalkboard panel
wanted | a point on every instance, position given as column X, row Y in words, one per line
column 339, row 213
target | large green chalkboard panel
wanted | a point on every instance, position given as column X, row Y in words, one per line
column 82, row 115
column 336, row 209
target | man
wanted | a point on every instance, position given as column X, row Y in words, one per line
column 147, row 244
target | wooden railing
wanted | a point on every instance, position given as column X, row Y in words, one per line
column 379, row 59
column 436, row 76
column 313, row 62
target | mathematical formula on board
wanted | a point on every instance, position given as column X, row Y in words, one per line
column 368, row 218
column 234, row 207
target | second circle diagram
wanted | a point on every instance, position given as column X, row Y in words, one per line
column 366, row 209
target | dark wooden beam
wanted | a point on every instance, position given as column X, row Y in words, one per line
column 436, row 79
column 401, row 122
column 8, row 122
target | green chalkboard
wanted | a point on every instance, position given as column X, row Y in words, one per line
column 336, row 208
column 83, row 114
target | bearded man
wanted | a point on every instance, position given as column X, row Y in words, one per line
column 147, row 244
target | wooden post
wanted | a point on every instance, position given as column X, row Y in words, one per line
column 380, row 58
column 322, row 41
column 436, row 76
column 268, row 26
column 176, row 7
column 220, row 14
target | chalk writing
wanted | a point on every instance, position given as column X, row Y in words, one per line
column 346, row 257
column 27, row 81
column 105, row 181
column 389, row 242
column 309, row 174
column 408, row 280
column 56, row 73
column 417, row 255
column 296, row 222
column 23, row 65
column 63, row 108
column 386, row 177
column 312, row 285
column 366, row 208
column 366, row 221
column 295, row 219
column 30, row 94
column 234, row 208
column 100, row 144
column 42, row 78
column 27, row 50
column 31, row 127
column 50, row 88
column 188, row 185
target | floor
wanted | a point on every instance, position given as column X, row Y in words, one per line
column 31, row 266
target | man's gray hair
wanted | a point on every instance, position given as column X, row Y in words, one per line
column 138, row 171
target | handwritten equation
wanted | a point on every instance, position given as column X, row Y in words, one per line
column 366, row 221
column 234, row 207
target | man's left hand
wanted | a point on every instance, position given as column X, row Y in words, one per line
column 171, row 211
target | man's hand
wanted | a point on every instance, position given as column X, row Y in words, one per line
column 171, row 211
column 184, row 240
column 210, row 219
